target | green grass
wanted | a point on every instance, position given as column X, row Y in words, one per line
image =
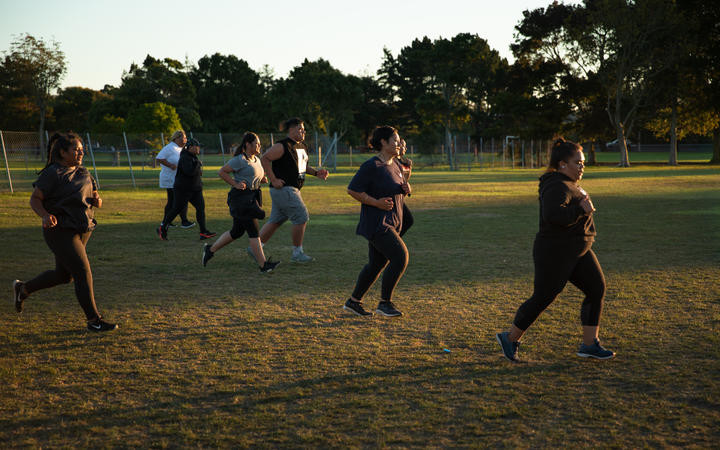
column 225, row 356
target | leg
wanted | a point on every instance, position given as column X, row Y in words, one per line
column 391, row 245
column 369, row 273
column 198, row 201
column 50, row 278
column 169, row 203
column 588, row 277
column 180, row 203
column 268, row 230
column 277, row 214
column 222, row 241
column 257, row 251
column 298, row 233
column 408, row 220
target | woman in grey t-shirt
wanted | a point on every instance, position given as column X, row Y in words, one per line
column 244, row 174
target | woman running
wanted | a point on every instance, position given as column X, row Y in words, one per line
column 64, row 197
column 244, row 174
column 406, row 166
column 563, row 252
column 168, row 159
column 380, row 187
column 188, row 187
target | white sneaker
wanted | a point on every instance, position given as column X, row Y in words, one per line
column 301, row 257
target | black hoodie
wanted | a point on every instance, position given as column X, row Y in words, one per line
column 189, row 172
column 561, row 215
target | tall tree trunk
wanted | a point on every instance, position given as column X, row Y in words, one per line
column 673, row 161
column 592, row 160
column 716, row 146
column 448, row 146
column 41, row 132
column 620, row 130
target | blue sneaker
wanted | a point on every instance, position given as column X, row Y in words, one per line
column 595, row 351
column 300, row 257
column 509, row 349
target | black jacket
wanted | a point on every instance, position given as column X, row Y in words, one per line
column 189, row 172
column 561, row 215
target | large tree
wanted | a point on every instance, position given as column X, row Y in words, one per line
column 71, row 108
column 230, row 94
column 34, row 68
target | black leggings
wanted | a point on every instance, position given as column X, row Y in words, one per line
column 182, row 198
column 408, row 220
column 71, row 264
column 556, row 263
column 385, row 249
column 171, row 202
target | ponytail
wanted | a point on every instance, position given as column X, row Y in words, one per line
column 561, row 150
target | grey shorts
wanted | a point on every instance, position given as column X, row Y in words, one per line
column 287, row 203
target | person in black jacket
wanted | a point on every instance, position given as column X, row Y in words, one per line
column 188, row 188
column 64, row 197
column 563, row 252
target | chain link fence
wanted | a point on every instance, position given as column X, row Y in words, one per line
column 128, row 159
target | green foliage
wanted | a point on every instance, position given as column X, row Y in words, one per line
column 109, row 124
column 154, row 117
column 71, row 108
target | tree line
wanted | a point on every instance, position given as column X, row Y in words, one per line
column 592, row 71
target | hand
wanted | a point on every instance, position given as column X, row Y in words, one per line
column 277, row 183
column 49, row 221
column 241, row 186
column 322, row 174
column 264, row 179
column 407, row 190
column 587, row 205
column 95, row 200
column 173, row 166
column 385, row 203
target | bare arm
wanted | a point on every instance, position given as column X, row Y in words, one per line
column 225, row 172
column 272, row 154
column 166, row 163
column 36, row 203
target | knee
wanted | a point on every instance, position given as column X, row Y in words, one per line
column 66, row 278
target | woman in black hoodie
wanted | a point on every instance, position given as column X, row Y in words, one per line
column 563, row 252
column 188, row 188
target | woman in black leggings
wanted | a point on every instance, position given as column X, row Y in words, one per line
column 563, row 252
column 380, row 187
column 64, row 196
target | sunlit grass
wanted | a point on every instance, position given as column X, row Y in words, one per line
column 224, row 356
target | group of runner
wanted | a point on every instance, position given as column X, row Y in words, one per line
column 65, row 195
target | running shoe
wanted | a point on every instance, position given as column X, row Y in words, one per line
column 269, row 266
column 509, row 349
column 187, row 224
column 18, row 296
column 356, row 308
column 596, row 351
column 206, row 254
column 207, row 235
column 99, row 325
column 162, row 233
column 301, row 257
column 387, row 309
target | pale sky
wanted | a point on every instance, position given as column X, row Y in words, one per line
column 102, row 38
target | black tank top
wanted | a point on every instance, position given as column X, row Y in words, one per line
column 286, row 167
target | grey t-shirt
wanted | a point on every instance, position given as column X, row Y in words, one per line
column 67, row 193
column 248, row 170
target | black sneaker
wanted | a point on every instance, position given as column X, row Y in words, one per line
column 269, row 266
column 162, row 233
column 356, row 308
column 187, row 224
column 596, row 351
column 207, row 235
column 206, row 254
column 509, row 348
column 18, row 297
column 387, row 309
column 100, row 325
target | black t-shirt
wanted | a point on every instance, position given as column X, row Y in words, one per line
column 379, row 180
column 67, row 194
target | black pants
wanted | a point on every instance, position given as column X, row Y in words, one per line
column 170, row 203
column 385, row 249
column 408, row 220
column 556, row 263
column 182, row 197
column 71, row 264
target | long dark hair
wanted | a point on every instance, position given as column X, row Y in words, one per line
column 247, row 138
column 58, row 142
column 382, row 132
column 562, row 150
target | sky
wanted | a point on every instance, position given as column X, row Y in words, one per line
column 101, row 38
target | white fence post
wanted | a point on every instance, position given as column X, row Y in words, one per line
column 127, row 150
column 92, row 156
column 7, row 167
column 222, row 149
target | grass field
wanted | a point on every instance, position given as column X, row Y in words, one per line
column 225, row 356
